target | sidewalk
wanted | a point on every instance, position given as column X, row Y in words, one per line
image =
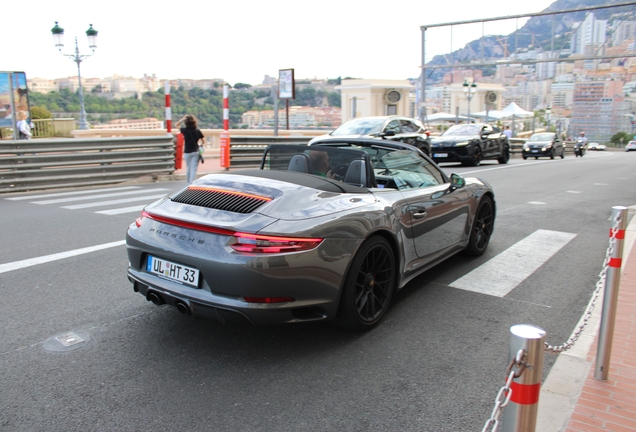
column 571, row 399
column 211, row 164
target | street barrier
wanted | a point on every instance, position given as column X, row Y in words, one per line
column 55, row 163
column 527, row 344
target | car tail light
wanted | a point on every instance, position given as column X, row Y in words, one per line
column 269, row 299
column 242, row 242
column 254, row 243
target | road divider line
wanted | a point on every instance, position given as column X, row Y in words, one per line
column 133, row 209
column 503, row 273
column 111, row 202
column 28, row 197
column 17, row 265
column 84, row 198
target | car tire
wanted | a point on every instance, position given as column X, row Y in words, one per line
column 552, row 154
column 482, row 228
column 476, row 160
column 562, row 153
column 368, row 286
column 524, row 157
column 505, row 157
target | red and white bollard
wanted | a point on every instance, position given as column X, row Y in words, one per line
column 610, row 295
column 168, row 109
column 520, row 414
column 225, row 135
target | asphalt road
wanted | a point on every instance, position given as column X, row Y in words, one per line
column 435, row 363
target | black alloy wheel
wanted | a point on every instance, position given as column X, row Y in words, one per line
column 369, row 286
column 505, row 155
column 482, row 228
column 476, row 160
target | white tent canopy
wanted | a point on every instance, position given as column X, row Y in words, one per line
column 442, row 116
column 515, row 110
column 512, row 110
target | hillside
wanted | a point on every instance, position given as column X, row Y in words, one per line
column 537, row 29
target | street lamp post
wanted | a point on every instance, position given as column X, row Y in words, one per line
column 91, row 33
column 548, row 112
column 469, row 90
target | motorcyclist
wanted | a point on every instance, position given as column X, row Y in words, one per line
column 582, row 138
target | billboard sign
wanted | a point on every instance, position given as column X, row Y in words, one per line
column 286, row 84
column 14, row 97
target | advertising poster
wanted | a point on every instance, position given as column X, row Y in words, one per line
column 14, row 97
column 286, row 84
column 6, row 119
column 21, row 94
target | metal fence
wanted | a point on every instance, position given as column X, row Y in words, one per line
column 55, row 163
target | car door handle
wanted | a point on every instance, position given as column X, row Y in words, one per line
column 419, row 214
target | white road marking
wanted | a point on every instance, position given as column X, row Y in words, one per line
column 575, row 192
column 111, row 202
column 62, row 200
column 29, row 197
column 504, row 272
column 17, row 265
column 134, row 209
column 536, row 202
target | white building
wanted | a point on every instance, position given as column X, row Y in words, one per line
column 588, row 35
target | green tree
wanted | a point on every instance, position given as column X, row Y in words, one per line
column 620, row 138
column 39, row 112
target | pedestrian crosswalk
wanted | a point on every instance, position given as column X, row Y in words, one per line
column 135, row 199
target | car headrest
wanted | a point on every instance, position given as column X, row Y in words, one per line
column 299, row 163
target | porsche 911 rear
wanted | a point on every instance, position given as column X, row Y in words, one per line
column 203, row 251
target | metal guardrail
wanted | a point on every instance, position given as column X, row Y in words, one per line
column 247, row 151
column 55, row 163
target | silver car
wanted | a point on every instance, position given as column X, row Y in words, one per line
column 323, row 232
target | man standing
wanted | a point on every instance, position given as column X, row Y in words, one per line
column 507, row 132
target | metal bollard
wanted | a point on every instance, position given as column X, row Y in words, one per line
column 526, row 352
column 610, row 295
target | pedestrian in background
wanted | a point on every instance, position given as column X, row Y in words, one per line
column 191, row 136
column 508, row 132
column 24, row 129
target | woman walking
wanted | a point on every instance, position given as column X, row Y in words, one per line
column 192, row 135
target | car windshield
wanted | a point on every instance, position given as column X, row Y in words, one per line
column 542, row 137
column 363, row 126
column 468, row 129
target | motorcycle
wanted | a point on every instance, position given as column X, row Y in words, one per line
column 579, row 148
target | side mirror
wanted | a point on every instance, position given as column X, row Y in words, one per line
column 457, row 181
column 388, row 133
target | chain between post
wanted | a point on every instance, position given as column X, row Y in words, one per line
column 599, row 285
column 506, row 391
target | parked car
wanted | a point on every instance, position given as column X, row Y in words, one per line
column 323, row 232
column 396, row 128
column 470, row 144
column 544, row 144
column 596, row 146
column 630, row 146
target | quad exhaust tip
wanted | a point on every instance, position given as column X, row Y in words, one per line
column 183, row 308
column 155, row 298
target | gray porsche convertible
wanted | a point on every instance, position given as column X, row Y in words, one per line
column 323, row 232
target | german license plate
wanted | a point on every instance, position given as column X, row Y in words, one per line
column 173, row 271
column 440, row 155
column 535, row 151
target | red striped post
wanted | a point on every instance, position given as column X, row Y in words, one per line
column 520, row 415
column 168, row 109
column 610, row 295
column 225, row 135
column 226, row 109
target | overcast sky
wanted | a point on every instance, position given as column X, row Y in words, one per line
column 244, row 41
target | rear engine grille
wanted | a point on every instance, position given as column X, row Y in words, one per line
column 219, row 199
